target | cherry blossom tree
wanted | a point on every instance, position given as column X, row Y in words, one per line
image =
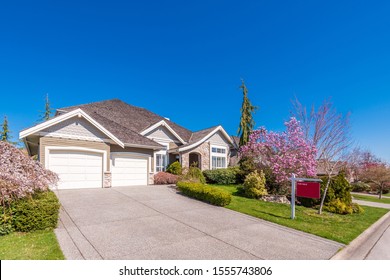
column 284, row 153
column 20, row 175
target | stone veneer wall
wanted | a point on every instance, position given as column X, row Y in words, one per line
column 203, row 150
column 107, row 180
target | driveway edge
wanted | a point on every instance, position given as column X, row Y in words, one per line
column 361, row 246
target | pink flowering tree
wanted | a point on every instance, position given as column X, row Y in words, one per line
column 284, row 153
column 20, row 175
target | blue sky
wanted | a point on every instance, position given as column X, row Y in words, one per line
column 185, row 59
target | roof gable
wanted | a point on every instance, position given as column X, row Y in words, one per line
column 80, row 114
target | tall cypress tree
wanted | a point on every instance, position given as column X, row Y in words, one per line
column 247, row 122
column 46, row 115
column 5, row 132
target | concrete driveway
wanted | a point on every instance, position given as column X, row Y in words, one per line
column 154, row 222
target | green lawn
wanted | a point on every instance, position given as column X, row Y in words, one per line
column 341, row 228
column 388, row 194
column 371, row 198
column 38, row 245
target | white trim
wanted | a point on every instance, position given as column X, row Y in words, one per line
column 224, row 155
column 70, row 148
column 161, row 152
column 219, row 128
column 164, row 124
column 79, row 113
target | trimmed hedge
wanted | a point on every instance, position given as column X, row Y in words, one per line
column 29, row 214
column 223, row 176
column 205, row 193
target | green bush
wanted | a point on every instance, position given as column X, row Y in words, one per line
column 223, row 176
column 36, row 213
column 175, row 168
column 5, row 223
column 254, row 185
column 246, row 165
column 205, row 193
column 360, row 187
column 338, row 207
column 194, row 174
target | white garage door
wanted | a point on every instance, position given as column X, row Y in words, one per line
column 77, row 169
column 128, row 171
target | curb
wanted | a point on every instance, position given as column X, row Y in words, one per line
column 361, row 246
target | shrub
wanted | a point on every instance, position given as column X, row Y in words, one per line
column 338, row 207
column 5, row 224
column 31, row 213
column 360, row 187
column 246, row 165
column 194, row 174
column 224, row 176
column 356, row 208
column 254, row 185
column 21, row 176
column 175, row 168
column 163, row 178
column 205, row 193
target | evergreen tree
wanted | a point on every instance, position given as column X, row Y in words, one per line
column 46, row 115
column 5, row 133
column 247, row 122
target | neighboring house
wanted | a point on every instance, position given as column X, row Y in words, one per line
column 111, row 143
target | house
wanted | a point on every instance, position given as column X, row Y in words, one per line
column 111, row 143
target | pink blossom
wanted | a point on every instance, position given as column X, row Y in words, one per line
column 20, row 175
column 285, row 153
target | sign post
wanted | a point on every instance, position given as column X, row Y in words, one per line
column 293, row 196
column 309, row 188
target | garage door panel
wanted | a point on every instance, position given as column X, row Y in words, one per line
column 77, row 169
column 128, row 170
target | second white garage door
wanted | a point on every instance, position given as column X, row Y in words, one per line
column 127, row 170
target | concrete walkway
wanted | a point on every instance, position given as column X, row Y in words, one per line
column 372, row 204
column 371, row 195
column 154, row 222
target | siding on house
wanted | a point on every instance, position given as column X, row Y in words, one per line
column 54, row 141
column 77, row 127
column 218, row 139
column 162, row 132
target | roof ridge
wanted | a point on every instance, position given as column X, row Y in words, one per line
column 90, row 103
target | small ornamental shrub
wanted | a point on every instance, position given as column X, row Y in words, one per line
column 175, row 168
column 223, row 176
column 205, row 193
column 38, row 212
column 164, row 178
column 21, row 176
column 5, row 224
column 338, row 207
column 254, row 185
column 356, row 208
column 360, row 187
column 194, row 174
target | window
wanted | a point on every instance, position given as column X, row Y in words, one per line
column 218, row 157
column 218, row 162
column 218, row 150
column 161, row 162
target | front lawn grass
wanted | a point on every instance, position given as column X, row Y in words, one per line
column 37, row 245
column 387, row 194
column 371, row 198
column 340, row 228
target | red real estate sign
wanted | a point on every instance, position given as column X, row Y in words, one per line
column 308, row 189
